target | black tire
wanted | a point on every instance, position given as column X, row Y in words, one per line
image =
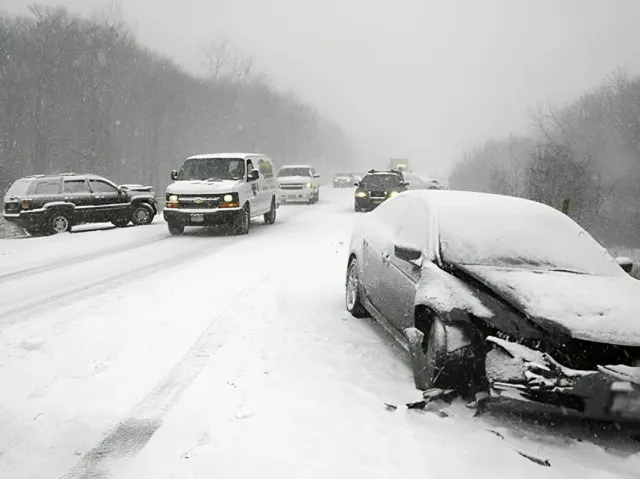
column 120, row 222
column 142, row 215
column 59, row 222
column 270, row 217
column 352, row 291
column 243, row 221
column 176, row 229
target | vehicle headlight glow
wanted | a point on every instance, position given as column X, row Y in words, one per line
column 392, row 194
column 309, row 185
column 227, row 198
column 361, row 194
column 173, row 198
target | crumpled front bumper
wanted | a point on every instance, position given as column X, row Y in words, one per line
column 517, row 372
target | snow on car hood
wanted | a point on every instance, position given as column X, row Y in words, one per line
column 602, row 309
column 287, row 180
column 197, row 187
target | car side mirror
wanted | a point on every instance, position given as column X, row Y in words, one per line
column 408, row 253
column 254, row 175
column 356, row 183
column 316, row 176
column 122, row 191
column 405, row 183
column 174, row 175
column 625, row 263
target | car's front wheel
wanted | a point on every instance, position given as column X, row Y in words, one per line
column 176, row 229
column 352, row 291
column 243, row 221
column 270, row 217
column 142, row 215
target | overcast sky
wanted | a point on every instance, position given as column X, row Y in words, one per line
column 422, row 79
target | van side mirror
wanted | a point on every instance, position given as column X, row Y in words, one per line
column 625, row 263
column 174, row 175
column 254, row 175
column 316, row 175
column 356, row 183
column 408, row 253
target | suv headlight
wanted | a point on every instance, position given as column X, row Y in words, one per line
column 227, row 198
column 361, row 194
column 392, row 194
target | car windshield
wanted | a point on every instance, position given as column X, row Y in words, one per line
column 383, row 181
column 212, row 169
column 19, row 188
column 294, row 172
column 492, row 230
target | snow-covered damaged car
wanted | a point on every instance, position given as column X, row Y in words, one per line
column 501, row 295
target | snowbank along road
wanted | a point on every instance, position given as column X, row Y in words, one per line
column 127, row 353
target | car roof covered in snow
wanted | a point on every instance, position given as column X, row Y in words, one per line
column 205, row 156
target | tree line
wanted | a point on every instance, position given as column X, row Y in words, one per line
column 81, row 94
column 582, row 158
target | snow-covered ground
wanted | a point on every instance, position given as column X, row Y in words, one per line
column 128, row 353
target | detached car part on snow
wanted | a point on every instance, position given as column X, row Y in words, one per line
column 524, row 318
column 52, row 204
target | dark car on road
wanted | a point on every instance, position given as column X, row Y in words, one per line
column 49, row 204
column 376, row 187
column 501, row 297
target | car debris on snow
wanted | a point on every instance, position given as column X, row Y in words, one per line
column 541, row 462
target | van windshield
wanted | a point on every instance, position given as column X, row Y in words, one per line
column 212, row 169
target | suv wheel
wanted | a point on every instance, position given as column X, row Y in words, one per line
column 59, row 222
column 176, row 229
column 142, row 215
column 243, row 221
column 270, row 217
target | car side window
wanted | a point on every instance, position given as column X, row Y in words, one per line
column 412, row 228
column 98, row 186
column 49, row 187
column 250, row 166
column 75, row 186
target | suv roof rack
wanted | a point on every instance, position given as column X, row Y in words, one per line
column 70, row 173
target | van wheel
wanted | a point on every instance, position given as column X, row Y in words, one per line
column 176, row 229
column 243, row 221
column 59, row 223
column 270, row 217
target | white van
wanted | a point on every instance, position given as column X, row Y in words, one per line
column 222, row 188
column 299, row 183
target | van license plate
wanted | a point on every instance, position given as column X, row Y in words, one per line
column 197, row 218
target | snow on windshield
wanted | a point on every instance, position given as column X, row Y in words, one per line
column 493, row 230
column 19, row 188
column 294, row 172
column 212, row 169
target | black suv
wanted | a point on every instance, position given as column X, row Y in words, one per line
column 376, row 187
column 48, row 204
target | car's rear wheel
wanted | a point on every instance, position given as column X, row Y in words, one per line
column 59, row 222
column 270, row 217
column 142, row 215
column 352, row 291
column 176, row 229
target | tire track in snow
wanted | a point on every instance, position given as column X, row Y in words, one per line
column 133, row 433
column 100, row 254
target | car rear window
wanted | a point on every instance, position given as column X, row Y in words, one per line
column 49, row 187
column 19, row 188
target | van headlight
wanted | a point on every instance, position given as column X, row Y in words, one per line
column 227, row 198
column 172, row 198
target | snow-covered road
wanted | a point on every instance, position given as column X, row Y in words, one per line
column 128, row 353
